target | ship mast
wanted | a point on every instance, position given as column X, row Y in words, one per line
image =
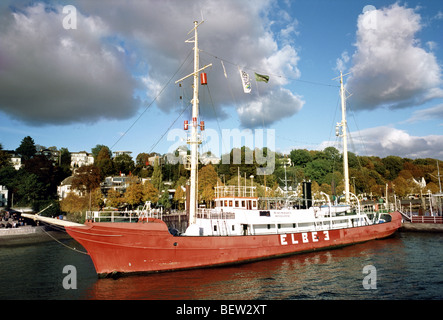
column 343, row 125
column 194, row 139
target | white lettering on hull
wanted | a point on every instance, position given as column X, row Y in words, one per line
column 305, row 237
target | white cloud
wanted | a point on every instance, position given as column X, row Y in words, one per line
column 385, row 141
column 435, row 112
column 340, row 64
column 50, row 75
column 390, row 69
column 239, row 32
column 264, row 111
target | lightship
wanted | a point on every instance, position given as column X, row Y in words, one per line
column 236, row 231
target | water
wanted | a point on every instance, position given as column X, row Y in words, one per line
column 408, row 266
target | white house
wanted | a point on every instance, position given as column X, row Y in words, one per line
column 118, row 183
column 66, row 187
column 82, row 158
column 16, row 162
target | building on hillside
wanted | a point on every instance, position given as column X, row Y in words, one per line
column 120, row 153
column 80, row 159
column 66, row 187
column 16, row 162
column 207, row 158
column 118, row 183
column 51, row 154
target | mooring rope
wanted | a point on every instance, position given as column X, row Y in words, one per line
column 74, row 249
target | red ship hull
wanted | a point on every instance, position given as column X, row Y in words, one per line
column 149, row 247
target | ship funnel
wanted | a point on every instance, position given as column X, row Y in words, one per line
column 307, row 195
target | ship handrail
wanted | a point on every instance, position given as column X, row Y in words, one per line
column 426, row 219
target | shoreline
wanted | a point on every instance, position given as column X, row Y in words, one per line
column 421, row 227
column 24, row 235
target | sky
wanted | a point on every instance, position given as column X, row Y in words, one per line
column 79, row 73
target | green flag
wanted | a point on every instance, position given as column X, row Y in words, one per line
column 260, row 77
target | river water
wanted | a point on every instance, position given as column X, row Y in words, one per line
column 406, row 266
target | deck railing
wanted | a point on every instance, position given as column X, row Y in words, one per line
column 121, row 216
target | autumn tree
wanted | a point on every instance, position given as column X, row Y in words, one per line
column 157, row 176
column 86, row 179
column 150, row 193
column 134, row 193
column 73, row 203
column 207, row 180
column 180, row 197
column 180, row 193
column 114, row 198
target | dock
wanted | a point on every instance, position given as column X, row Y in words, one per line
column 421, row 227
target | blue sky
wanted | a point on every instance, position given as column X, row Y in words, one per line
column 99, row 83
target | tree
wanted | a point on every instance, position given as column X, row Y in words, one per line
column 150, row 192
column 394, row 165
column 86, row 179
column 96, row 151
column 123, row 163
column 73, row 203
column 207, row 180
column 5, row 158
column 65, row 159
column 157, row 176
column 180, row 197
column 164, row 199
column 27, row 148
column 317, row 170
column 300, row 157
column 28, row 189
column 114, row 198
column 104, row 162
column 134, row 193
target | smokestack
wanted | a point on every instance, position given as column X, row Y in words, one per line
column 307, row 194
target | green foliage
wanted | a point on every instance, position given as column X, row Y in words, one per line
column 300, row 157
column 27, row 148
